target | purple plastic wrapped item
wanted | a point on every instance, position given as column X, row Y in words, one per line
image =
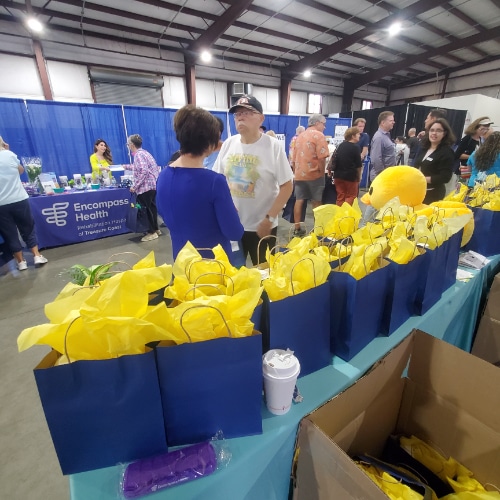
column 175, row 467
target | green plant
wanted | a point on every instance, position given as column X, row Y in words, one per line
column 90, row 276
column 33, row 172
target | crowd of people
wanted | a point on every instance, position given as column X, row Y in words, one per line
column 232, row 192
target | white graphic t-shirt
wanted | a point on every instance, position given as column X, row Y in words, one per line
column 254, row 173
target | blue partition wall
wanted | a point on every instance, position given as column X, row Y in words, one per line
column 62, row 134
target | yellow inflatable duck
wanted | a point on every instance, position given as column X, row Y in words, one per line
column 409, row 185
column 406, row 183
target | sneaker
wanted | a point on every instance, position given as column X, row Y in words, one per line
column 150, row 236
column 22, row 266
column 299, row 232
column 40, row 260
column 158, row 232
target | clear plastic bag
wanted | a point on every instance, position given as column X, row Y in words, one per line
column 175, row 467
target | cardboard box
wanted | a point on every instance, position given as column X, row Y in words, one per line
column 487, row 342
column 424, row 387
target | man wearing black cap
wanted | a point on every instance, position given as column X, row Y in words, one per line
column 258, row 174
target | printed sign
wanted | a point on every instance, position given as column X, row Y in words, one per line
column 80, row 216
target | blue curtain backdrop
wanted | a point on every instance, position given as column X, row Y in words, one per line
column 15, row 129
column 155, row 126
column 103, row 121
column 60, row 137
column 63, row 134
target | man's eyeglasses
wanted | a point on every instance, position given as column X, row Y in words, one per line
column 246, row 112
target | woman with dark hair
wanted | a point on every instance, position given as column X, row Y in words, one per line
column 195, row 202
column 474, row 134
column 435, row 159
column 101, row 159
column 486, row 160
column 346, row 167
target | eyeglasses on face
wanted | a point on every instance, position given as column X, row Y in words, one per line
column 246, row 112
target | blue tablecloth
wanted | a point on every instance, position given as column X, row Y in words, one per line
column 76, row 216
column 260, row 466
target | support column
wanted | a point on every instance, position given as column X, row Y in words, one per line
column 445, row 84
column 285, row 89
column 347, row 97
column 190, row 82
column 42, row 71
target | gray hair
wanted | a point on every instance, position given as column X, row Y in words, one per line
column 313, row 119
column 2, row 143
column 136, row 140
column 299, row 129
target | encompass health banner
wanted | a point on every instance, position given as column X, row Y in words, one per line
column 80, row 216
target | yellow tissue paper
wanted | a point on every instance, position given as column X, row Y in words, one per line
column 337, row 222
column 293, row 273
column 106, row 321
column 394, row 489
column 365, row 259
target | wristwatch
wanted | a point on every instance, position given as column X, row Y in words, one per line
column 272, row 220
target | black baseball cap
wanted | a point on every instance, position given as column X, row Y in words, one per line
column 248, row 102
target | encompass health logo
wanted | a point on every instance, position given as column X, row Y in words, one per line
column 56, row 214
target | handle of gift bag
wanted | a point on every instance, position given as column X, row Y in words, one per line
column 258, row 246
column 222, row 275
column 433, row 227
column 197, row 306
column 393, row 218
column 192, row 263
column 293, row 268
column 66, row 336
column 342, row 234
column 197, row 287
column 277, row 253
column 426, row 238
column 380, row 256
column 417, row 247
column 349, row 243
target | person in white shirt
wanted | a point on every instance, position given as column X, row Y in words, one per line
column 15, row 211
column 258, row 174
column 402, row 151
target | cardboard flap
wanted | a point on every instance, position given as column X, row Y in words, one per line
column 452, row 373
column 325, row 471
column 487, row 343
column 373, row 401
column 493, row 305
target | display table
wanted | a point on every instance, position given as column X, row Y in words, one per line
column 261, row 465
column 76, row 216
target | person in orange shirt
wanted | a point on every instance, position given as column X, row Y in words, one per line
column 309, row 161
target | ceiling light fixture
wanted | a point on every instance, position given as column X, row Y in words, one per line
column 394, row 29
column 307, row 73
column 34, row 24
column 206, row 56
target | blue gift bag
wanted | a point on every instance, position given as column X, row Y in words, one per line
column 430, row 282
column 301, row 323
column 486, row 236
column 356, row 310
column 102, row 412
column 210, row 386
column 452, row 250
column 402, row 293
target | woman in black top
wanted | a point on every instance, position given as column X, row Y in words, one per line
column 347, row 167
column 472, row 139
column 435, row 159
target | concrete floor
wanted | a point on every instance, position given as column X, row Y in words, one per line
column 29, row 469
